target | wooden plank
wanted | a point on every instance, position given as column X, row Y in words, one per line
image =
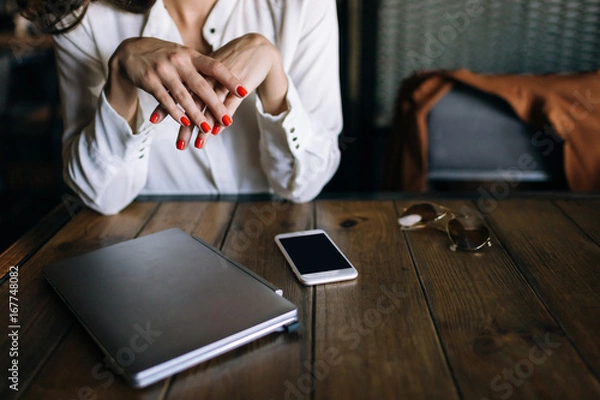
column 77, row 369
column 561, row 263
column 270, row 366
column 43, row 317
column 82, row 373
column 207, row 220
column 35, row 238
column 498, row 336
column 374, row 336
column 586, row 214
column 500, row 340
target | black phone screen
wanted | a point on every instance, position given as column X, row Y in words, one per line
column 314, row 253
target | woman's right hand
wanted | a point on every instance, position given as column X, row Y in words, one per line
column 174, row 75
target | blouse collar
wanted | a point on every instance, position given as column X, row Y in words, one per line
column 159, row 23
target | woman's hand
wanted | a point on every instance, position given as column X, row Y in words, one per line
column 175, row 75
column 257, row 63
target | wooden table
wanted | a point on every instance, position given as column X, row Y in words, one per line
column 520, row 319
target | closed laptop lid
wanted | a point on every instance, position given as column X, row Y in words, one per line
column 163, row 302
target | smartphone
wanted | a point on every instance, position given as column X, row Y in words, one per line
column 314, row 257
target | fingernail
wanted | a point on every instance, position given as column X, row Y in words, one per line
column 199, row 142
column 241, row 91
column 205, row 126
column 185, row 121
column 215, row 129
column 227, row 120
column 154, row 117
column 180, row 144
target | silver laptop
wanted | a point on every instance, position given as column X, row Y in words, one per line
column 164, row 302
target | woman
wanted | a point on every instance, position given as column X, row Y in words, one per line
column 196, row 96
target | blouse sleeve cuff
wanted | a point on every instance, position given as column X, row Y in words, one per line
column 291, row 129
column 115, row 139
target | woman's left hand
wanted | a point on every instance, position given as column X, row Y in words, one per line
column 256, row 62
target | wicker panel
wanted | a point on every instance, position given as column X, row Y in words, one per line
column 487, row 36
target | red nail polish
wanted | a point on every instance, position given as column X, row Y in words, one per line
column 185, row 121
column 199, row 143
column 180, row 144
column 241, row 91
column 215, row 129
column 227, row 120
column 154, row 117
column 205, row 126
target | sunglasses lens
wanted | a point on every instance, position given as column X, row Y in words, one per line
column 468, row 233
column 418, row 214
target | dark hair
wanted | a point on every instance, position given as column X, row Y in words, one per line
column 60, row 16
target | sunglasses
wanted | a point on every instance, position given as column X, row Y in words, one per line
column 467, row 232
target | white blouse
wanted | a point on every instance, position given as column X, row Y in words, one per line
column 292, row 155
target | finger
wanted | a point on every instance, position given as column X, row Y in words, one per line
column 161, row 94
column 210, row 118
column 232, row 103
column 158, row 115
column 183, row 139
column 201, row 139
column 216, row 127
column 213, row 68
column 205, row 126
column 184, row 98
column 204, row 90
column 203, row 134
column 222, row 93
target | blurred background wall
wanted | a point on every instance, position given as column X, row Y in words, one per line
column 385, row 41
column 30, row 127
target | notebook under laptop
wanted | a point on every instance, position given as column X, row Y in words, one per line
column 164, row 302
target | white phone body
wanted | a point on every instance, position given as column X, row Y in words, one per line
column 314, row 258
